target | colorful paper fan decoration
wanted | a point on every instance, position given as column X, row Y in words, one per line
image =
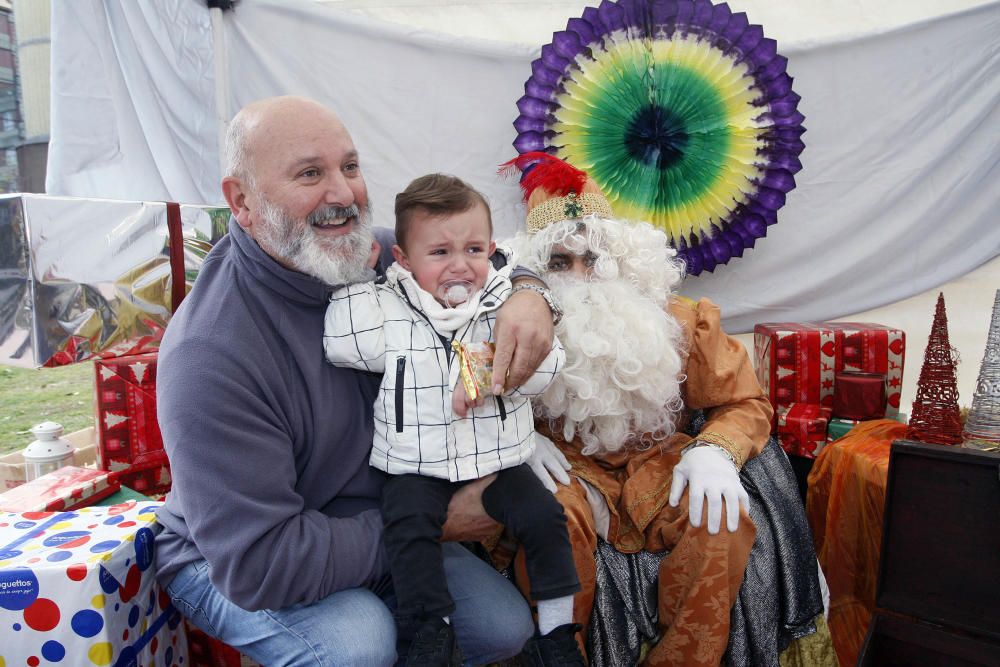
column 681, row 111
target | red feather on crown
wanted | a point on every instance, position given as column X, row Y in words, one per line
column 541, row 170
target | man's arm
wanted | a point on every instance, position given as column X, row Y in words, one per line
column 523, row 335
column 235, row 473
column 544, row 374
column 721, row 381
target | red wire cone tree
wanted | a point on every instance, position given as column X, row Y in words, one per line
column 935, row 417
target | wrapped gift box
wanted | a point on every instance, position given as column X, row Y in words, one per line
column 78, row 588
column 67, row 488
column 797, row 362
column 839, row 427
column 12, row 472
column 129, row 440
column 205, row 651
column 859, row 395
column 154, row 481
column 90, row 278
column 802, row 428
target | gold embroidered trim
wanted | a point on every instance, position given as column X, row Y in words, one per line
column 660, row 504
column 723, row 441
column 620, row 526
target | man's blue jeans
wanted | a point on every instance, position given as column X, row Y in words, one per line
column 355, row 627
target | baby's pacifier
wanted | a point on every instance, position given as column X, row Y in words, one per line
column 454, row 292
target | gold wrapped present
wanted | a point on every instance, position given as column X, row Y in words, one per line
column 476, row 367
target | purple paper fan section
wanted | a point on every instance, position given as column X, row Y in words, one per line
column 727, row 31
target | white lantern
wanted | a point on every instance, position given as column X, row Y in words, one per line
column 48, row 452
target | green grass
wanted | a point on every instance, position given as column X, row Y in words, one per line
column 31, row 396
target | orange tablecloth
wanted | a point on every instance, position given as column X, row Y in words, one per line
column 845, row 505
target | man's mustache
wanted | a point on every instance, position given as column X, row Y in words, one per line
column 326, row 213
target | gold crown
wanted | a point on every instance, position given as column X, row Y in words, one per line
column 545, row 208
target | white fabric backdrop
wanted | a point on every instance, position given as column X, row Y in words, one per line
column 898, row 194
column 132, row 102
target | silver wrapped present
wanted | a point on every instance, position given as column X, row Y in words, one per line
column 92, row 278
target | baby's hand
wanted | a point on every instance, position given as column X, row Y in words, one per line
column 461, row 403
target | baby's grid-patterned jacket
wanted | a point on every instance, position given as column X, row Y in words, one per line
column 380, row 328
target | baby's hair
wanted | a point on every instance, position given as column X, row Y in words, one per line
column 435, row 195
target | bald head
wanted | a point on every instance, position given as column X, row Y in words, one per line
column 294, row 183
column 271, row 117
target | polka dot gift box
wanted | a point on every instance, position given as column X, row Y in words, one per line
column 77, row 588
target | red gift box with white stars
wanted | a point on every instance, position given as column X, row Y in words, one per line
column 68, row 488
column 128, row 435
column 797, row 362
column 802, row 428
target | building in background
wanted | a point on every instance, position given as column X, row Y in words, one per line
column 10, row 119
column 32, row 74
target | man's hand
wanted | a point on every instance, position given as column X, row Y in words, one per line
column 467, row 519
column 549, row 464
column 711, row 476
column 523, row 338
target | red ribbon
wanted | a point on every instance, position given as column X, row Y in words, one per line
column 175, row 237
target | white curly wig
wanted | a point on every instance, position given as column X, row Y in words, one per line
column 624, row 352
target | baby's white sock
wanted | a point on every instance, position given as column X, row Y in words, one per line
column 553, row 613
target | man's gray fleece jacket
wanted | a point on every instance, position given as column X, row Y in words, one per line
column 268, row 443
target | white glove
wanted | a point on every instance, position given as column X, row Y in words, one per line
column 713, row 476
column 547, row 462
column 598, row 508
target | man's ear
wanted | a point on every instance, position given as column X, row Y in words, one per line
column 400, row 257
column 235, row 193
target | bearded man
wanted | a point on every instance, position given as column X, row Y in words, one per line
column 639, row 360
column 272, row 538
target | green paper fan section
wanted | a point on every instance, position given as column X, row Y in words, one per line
column 667, row 129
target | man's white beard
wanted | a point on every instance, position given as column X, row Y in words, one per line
column 624, row 358
column 339, row 260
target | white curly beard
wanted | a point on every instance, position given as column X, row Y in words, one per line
column 624, row 359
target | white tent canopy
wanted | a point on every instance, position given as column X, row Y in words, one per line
column 898, row 195
column 801, row 25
